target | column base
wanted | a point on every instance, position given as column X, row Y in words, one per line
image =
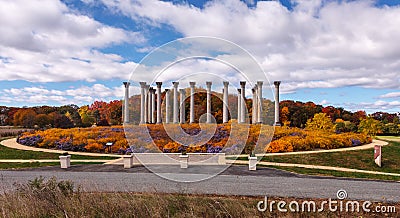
column 277, row 124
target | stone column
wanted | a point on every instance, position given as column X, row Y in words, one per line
column 243, row 106
column 239, row 98
column 146, row 103
column 208, row 101
column 254, row 107
column 159, row 101
column 192, row 84
column 277, row 83
column 126, row 102
column 149, row 105
column 167, row 106
column 259, row 101
column 225, row 103
column 153, row 105
column 142, row 101
column 182, row 106
column 176, row 105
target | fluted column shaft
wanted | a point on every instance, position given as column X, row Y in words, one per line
column 176, row 105
column 149, row 105
column 208, row 101
column 243, row 107
column 192, row 84
column 259, row 101
column 153, row 105
column 142, row 101
column 126, row 102
column 254, row 107
column 182, row 106
column 239, row 98
column 146, row 103
column 167, row 106
column 277, row 83
column 225, row 103
column 159, row 84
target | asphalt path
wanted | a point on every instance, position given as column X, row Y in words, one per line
column 236, row 180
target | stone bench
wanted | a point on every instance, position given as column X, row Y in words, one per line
column 173, row 159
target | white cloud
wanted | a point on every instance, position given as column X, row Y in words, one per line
column 375, row 106
column 324, row 102
column 45, row 41
column 391, row 95
column 80, row 95
column 318, row 44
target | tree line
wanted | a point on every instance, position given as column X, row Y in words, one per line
column 66, row 116
column 292, row 114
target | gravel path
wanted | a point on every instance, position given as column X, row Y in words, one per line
column 237, row 180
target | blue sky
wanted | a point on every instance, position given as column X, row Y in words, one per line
column 340, row 53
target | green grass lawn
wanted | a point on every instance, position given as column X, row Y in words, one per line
column 361, row 159
column 389, row 138
column 9, row 153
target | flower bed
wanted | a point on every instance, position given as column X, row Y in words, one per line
column 155, row 139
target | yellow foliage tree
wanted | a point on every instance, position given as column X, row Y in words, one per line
column 320, row 121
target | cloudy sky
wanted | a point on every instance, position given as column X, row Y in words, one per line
column 341, row 53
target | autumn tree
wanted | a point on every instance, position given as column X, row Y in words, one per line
column 285, row 116
column 43, row 120
column 62, row 121
column 25, row 118
column 370, row 126
column 86, row 116
column 320, row 121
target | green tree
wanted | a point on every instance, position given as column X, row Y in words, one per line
column 321, row 121
column 370, row 126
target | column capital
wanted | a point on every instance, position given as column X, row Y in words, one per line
column 260, row 83
column 192, row 84
column 158, row 84
column 242, row 83
column 255, row 86
column 239, row 91
column 142, row 84
column 277, row 83
column 147, row 87
column 208, row 84
column 166, row 90
column 226, row 83
column 182, row 91
column 152, row 90
column 175, row 84
column 253, row 90
column 126, row 84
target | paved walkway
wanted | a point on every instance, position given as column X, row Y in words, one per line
column 12, row 143
column 361, row 147
column 264, row 163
